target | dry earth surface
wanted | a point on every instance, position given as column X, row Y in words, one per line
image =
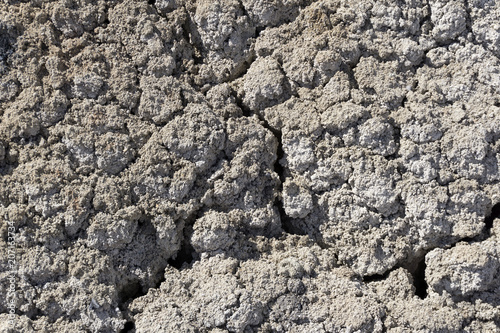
column 250, row 165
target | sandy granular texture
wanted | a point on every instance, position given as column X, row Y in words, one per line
column 251, row 165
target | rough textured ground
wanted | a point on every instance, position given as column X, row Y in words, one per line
column 251, row 165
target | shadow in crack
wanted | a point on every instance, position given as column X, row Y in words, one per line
column 376, row 277
column 183, row 257
column 417, row 270
column 131, row 291
column 129, row 327
column 419, row 279
column 488, row 221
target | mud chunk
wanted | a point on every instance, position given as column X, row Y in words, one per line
column 212, row 232
column 113, row 231
column 87, row 85
column 449, row 19
column 464, row 269
column 113, row 152
column 264, row 84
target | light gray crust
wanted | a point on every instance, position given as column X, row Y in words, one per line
column 251, row 165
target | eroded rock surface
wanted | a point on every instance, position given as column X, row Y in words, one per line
column 250, row 166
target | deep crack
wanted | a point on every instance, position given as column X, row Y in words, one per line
column 419, row 279
column 183, row 257
column 130, row 291
column 129, row 327
column 286, row 224
column 488, row 221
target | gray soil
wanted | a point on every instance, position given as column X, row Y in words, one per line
column 250, row 165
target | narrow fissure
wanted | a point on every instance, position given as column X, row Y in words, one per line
column 418, row 273
column 134, row 287
column 488, row 221
column 239, row 102
column 184, row 256
column 129, row 327
column 417, row 270
column 278, row 168
column 403, row 102
column 131, row 291
column 349, row 70
column 488, row 225
column 258, row 31
column 376, row 277
column 419, row 279
column 286, row 224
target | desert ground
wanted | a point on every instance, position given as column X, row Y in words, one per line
column 250, row 166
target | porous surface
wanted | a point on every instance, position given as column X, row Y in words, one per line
column 251, row 165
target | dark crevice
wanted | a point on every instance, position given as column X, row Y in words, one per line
column 403, row 102
column 33, row 315
column 244, row 10
column 469, row 240
column 286, row 224
column 280, row 153
column 488, row 221
column 488, row 225
column 197, row 57
column 134, row 287
column 243, row 69
column 152, row 2
column 239, row 101
column 397, row 139
column 137, row 78
column 349, row 70
column 129, row 327
column 7, row 48
column 258, row 30
column 377, row 277
column 417, row 270
column 193, row 38
column 130, row 291
column 160, row 280
column 184, row 256
column 392, row 157
column 426, row 18
column 469, row 21
column 42, row 72
column 419, row 279
column 323, row 245
column 184, row 100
